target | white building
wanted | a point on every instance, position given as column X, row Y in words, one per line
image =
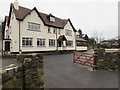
column 27, row 30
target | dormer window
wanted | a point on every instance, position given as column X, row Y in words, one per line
column 52, row 19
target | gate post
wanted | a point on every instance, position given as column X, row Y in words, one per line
column 95, row 60
column 73, row 57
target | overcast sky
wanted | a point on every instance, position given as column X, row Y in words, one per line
column 91, row 16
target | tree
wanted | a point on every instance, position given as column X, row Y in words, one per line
column 98, row 36
column 91, row 41
column 1, row 27
column 1, row 30
column 86, row 37
column 80, row 33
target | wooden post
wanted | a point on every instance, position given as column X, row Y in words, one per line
column 23, row 76
column 95, row 61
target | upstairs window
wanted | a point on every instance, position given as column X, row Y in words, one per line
column 49, row 30
column 33, row 26
column 68, row 32
column 59, row 31
column 54, row 30
column 52, row 19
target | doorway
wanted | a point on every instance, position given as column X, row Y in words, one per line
column 7, row 45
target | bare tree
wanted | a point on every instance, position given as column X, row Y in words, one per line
column 98, row 36
column 95, row 36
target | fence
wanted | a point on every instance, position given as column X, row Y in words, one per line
column 84, row 58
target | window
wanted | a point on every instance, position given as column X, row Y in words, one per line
column 69, row 43
column 79, row 43
column 51, row 42
column 68, row 32
column 52, row 19
column 27, row 41
column 59, row 31
column 54, row 30
column 40, row 42
column 49, row 29
column 33, row 26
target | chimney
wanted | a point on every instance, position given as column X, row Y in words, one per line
column 16, row 5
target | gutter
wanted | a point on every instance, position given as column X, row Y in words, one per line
column 19, row 39
column 56, row 40
column 75, row 42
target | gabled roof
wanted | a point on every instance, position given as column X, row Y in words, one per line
column 61, row 38
column 23, row 12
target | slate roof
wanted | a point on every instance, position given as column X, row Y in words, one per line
column 23, row 12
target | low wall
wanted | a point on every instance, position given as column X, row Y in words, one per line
column 107, row 60
column 26, row 73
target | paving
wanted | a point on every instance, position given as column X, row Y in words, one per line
column 60, row 72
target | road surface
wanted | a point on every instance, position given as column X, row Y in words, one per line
column 60, row 72
column 7, row 61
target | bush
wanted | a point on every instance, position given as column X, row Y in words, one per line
column 108, row 61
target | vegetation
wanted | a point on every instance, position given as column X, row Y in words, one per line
column 91, row 43
column 1, row 30
column 97, row 41
column 107, row 61
column 86, row 37
column 80, row 33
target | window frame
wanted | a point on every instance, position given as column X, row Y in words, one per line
column 52, row 19
column 54, row 30
column 41, row 42
column 68, row 32
column 53, row 41
column 69, row 43
column 59, row 31
column 33, row 26
column 27, row 41
column 49, row 29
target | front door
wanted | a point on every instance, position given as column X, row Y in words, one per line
column 59, row 43
column 7, row 46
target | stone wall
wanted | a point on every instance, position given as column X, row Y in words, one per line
column 27, row 73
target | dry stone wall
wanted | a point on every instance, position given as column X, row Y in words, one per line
column 27, row 73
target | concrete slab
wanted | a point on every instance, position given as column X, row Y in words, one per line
column 60, row 72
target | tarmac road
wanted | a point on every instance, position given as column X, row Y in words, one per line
column 7, row 61
column 60, row 72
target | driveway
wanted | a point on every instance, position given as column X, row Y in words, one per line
column 7, row 61
column 60, row 72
